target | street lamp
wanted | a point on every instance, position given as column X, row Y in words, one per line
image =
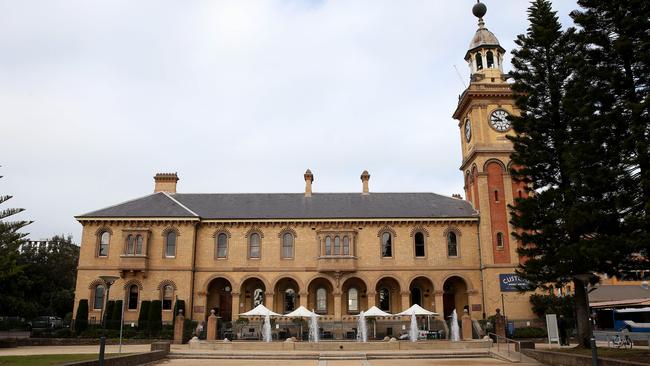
column 109, row 281
column 584, row 278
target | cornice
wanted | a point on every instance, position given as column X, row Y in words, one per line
column 484, row 91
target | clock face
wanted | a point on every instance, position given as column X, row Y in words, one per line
column 499, row 120
column 468, row 130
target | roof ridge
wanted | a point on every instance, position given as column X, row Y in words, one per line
column 180, row 204
column 117, row 204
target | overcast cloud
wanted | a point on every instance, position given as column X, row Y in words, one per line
column 236, row 96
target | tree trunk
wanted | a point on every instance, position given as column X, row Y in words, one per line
column 582, row 314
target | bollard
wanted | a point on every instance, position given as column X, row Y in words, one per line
column 102, row 345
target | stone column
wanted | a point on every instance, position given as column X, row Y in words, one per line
column 439, row 307
column 235, row 306
column 337, row 306
column 466, row 324
column 268, row 301
column 371, row 299
column 212, row 327
column 304, row 300
column 178, row 327
column 406, row 301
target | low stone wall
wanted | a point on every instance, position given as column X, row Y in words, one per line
column 337, row 346
column 159, row 350
column 26, row 342
column 567, row 359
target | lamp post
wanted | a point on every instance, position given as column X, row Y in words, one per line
column 584, row 278
column 109, row 281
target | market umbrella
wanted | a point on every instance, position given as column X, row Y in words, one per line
column 418, row 310
column 375, row 312
column 301, row 312
column 260, row 310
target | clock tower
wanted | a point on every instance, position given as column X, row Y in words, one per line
column 483, row 123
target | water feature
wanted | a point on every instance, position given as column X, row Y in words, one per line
column 362, row 329
column 266, row 329
column 455, row 337
column 413, row 330
column 313, row 328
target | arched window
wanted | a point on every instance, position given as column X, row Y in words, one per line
column 258, row 297
column 337, row 246
column 321, row 300
column 254, row 245
column 452, row 244
column 130, row 245
column 289, row 300
column 353, row 299
column 346, row 245
column 287, row 245
column 328, row 246
column 167, row 297
column 479, row 61
column 138, row 244
column 499, row 241
column 98, row 297
column 419, row 244
column 170, row 244
column 104, row 239
column 133, row 297
column 490, row 59
column 386, row 245
column 416, row 296
column 384, row 299
column 222, row 245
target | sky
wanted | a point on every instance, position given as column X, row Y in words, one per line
column 97, row 96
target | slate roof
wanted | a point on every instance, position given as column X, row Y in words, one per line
column 290, row 206
column 618, row 292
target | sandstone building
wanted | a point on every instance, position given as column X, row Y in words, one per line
column 336, row 253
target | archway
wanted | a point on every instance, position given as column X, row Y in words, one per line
column 421, row 289
column 321, row 298
column 388, row 295
column 454, row 296
column 253, row 293
column 353, row 298
column 286, row 296
column 219, row 298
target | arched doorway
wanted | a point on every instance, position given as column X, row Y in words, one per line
column 219, row 296
column 321, row 298
column 253, row 293
column 421, row 289
column 286, row 296
column 454, row 296
column 353, row 297
column 388, row 297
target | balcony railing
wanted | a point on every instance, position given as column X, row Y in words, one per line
column 133, row 263
column 337, row 263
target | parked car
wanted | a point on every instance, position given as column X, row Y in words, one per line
column 47, row 322
column 13, row 323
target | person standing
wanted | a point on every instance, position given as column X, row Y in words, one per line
column 562, row 328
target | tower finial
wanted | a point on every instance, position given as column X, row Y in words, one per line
column 479, row 10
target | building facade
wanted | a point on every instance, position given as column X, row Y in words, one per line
column 335, row 253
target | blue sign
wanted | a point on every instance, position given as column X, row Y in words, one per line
column 510, row 282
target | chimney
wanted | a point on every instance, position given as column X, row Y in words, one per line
column 365, row 177
column 165, row 182
column 309, row 179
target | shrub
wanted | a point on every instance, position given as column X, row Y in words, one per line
column 62, row 333
column 81, row 320
column 188, row 329
column 529, row 332
column 116, row 315
column 155, row 317
column 144, row 315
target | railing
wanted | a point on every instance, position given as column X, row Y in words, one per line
column 506, row 346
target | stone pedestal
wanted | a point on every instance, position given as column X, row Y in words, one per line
column 499, row 324
column 178, row 327
column 212, row 327
column 466, row 325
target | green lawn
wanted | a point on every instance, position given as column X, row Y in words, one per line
column 637, row 355
column 46, row 360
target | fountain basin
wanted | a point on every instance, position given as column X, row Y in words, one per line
column 338, row 345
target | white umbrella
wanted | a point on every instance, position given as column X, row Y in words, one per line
column 418, row 310
column 260, row 310
column 375, row 312
column 301, row 312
